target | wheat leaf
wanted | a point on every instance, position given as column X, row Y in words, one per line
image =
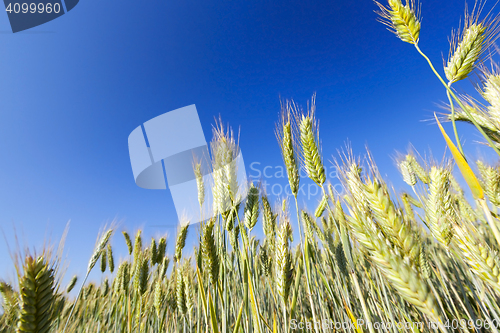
column 464, row 167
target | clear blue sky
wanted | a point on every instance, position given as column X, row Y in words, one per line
column 72, row 90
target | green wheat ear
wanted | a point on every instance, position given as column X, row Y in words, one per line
column 283, row 261
column 464, row 53
column 36, row 296
column 252, row 207
column 71, row 284
column 128, row 241
column 467, row 48
column 209, row 249
column 153, row 253
column 162, row 247
column 181, row 241
column 404, row 21
column 199, row 183
column 111, row 260
column 286, row 134
column 309, row 142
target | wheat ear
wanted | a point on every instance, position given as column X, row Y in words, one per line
column 309, row 141
column 141, row 274
column 111, row 260
column 36, row 296
column 467, row 48
column 199, row 183
column 210, row 256
column 439, row 209
column 483, row 261
column 153, row 252
column 71, row 284
column 283, row 270
column 403, row 20
column 251, row 211
column 269, row 223
column 181, row 242
column 285, row 133
column 128, row 242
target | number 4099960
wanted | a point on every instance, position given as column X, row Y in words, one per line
column 33, row 8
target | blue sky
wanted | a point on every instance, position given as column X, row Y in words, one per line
column 72, row 90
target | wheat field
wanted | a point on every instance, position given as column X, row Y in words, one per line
column 370, row 260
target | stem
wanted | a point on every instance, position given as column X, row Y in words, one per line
column 250, row 272
column 452, row 106
column 305, row 267
column 362, row 299
column 459, row 102
column 225, row 312
column 488, row 216
column 353, row 274
column 76, row 300
column 284, row 316
column 330, row 210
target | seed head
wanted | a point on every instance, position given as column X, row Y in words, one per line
column 199, row 183
column 210, row 255
column 309, row 142
column 99, row 249
column 321, row 206
column 71, row 284
column 286, row 135
column 465, row 52
column 128, row 241
column 111, row 260
column 252, row 207
column 153, row 252
column 407, row 173
column 162, row 246
column 467, row 48
column 283, row 269
column 403, row 20
column 181, row 242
